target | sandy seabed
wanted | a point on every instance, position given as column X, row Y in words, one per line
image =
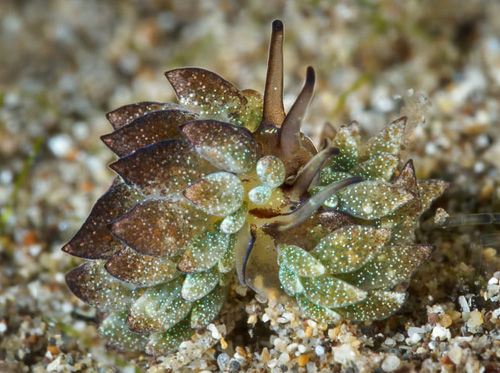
column 66, row 63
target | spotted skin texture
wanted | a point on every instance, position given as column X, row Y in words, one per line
column 224, row 185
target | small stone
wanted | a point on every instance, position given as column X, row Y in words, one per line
column 272, row 363
column 495, row 314
column 309, row 332
column 440, row 216
column 333, row 333
column 319, row 350
column 440, row 332
column 60, row 145
column 223, row 343
column 415, row 338
column 476, row 319
column 414, row 330
column 446, row 361
column 302, row 360
column 493, row 281
column 215, row 332
column 292, row 347
column 223, row 361
column 322, row 326
column 445, row 320
column 455, row 315
column 433, row 318
column 399, row 337
column 241, row 351
column 421, row 350
column 390, row 342
column 265, row 355
column 313, row 324
column 455, row 354
column 284, row 358
column 53, row 350
column 344, row 354
column 391, row 363
column 280, row 344
column 464, row 304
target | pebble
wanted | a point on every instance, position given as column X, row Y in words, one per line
column 391, row 363
column 6, row 177
column 445, row 320
column 433, row 318
column 464, row 304
column 280, row 344
column 455, row 354
column 302, row 360
column 265, row 355
column 333, row 333
column 272, row 363
column 399, row 337
column 440, row 332
column 493, row 281
column 414, row 330
column 215, row 332
column 475, row 319
column 390, row 342
column 292, row 347
column 319, row 350
column 344, row 354
column 496, row 313
column 284, row 358
column 223, row 361
column 60, row 145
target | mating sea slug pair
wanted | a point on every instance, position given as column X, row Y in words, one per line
column 225, row 184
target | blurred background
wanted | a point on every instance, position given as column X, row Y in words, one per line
column 65, row 63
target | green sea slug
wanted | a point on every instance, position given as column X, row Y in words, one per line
column 225, row 184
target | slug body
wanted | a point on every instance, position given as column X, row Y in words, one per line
column 225, row 183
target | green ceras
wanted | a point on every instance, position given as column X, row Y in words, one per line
column 225, row 182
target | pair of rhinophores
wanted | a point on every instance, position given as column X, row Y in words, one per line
column 225, row 184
